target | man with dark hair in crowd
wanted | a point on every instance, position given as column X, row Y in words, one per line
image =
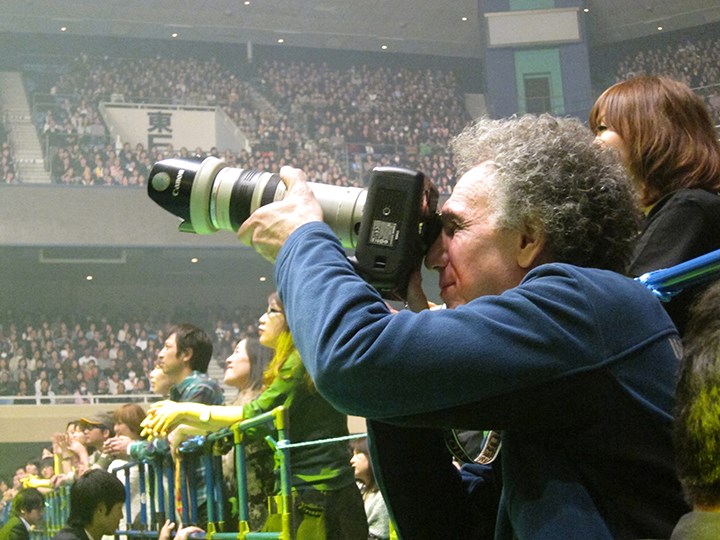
column 573, row 362
column 96, row 507
column 697, row 421
column 184, row 358
column 27, row 511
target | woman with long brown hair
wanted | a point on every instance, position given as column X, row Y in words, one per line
column 665, row 137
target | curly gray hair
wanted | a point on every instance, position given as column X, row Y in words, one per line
column 552, row 175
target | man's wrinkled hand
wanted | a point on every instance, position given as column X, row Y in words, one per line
column 267, row 229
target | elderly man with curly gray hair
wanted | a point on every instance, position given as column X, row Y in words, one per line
column 544, row 340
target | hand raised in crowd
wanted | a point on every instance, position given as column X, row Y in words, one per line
column 181, row 534
column 59, row 443
column 117, row 446
column 78, row 448
column 267, row 229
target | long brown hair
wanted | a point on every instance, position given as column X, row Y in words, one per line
column 669, row 134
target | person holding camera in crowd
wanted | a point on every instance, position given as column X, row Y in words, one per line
column 327, row 502
column 573, row 362
column 664, row 135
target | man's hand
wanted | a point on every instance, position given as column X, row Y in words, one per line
column 182, row 433
column 117, row 446
column 62, row 480
column 267, row 229
column 59, row 443
column 182, row 534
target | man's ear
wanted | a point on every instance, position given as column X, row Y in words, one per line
column 531, row 247
column 186, row 355
column 101, row 509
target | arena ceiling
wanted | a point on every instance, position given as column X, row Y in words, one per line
column 402, row 26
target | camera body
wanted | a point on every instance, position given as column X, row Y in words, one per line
column 390, row 225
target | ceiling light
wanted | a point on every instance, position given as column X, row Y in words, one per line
column 383, row 47
column 63, row 28
column 194, row 260
column 89, row 278
column 660, row 27
column 263, row 279
column 174, row 34
column 281, row 40
column 463, row 19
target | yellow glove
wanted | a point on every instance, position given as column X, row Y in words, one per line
column 164, row 416
column 32, row 481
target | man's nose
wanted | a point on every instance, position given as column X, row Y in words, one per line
column 435, row 257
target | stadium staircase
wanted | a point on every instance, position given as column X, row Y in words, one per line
column 17, row 117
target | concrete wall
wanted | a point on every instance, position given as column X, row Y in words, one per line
column 103, row 216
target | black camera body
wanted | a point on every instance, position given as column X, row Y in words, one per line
column 390, row 225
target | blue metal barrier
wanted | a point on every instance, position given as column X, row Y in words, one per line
column 667, row 282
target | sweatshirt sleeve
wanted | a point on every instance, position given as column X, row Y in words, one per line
column 369, row 362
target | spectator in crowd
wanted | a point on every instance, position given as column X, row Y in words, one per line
column 184, row 360
column 692, row 60
column 159, row 383
column 64, row 448
column 245, row 369
column 83, row 452
column 572, row 361
column 375, row 508
column 8, row 171
column 127, row 429
column 327, row 502
column 697, row 425
column 664, row 136
column 23, row 397
column 320, row 121
column 44, row 394
column 7, row 387
column 97, row 430
column 96, row 506
column 28, row 508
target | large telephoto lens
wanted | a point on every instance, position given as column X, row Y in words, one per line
column 210, row 196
